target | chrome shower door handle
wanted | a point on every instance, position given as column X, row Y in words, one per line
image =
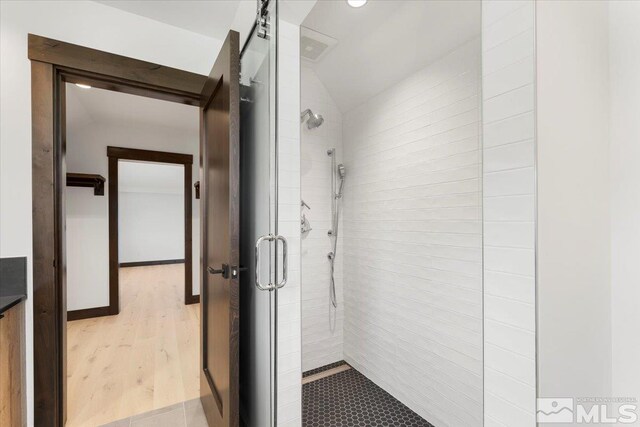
column 285, row 261
column 263, row 287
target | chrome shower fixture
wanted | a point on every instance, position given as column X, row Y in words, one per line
column 313, row 120
column 341, row 174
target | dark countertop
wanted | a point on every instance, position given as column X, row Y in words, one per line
column 13, row 282
column 7, row 302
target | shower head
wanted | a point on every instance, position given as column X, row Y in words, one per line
column 341, row 171
column 313, row 121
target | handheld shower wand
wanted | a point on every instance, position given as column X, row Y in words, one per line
column 340, row 171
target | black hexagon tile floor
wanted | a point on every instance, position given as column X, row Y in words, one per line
column 349, row 399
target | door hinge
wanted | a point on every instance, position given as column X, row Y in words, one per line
column 263, row 28
column 262, row 20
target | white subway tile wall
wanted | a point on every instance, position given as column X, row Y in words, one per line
column 413, row 240
column 321, row 323
column 289, row 403
column 509, row 207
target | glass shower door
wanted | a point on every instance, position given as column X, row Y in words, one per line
column 258, row 216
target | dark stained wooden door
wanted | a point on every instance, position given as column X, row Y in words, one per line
column 220, row 166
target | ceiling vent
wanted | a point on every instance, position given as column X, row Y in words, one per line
column 314, row 45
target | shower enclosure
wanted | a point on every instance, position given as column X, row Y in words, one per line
column 265, row 271
column 391, row 162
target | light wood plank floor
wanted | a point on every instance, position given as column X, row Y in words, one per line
column 144, row 358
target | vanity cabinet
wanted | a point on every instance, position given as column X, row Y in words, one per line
column 12, row 367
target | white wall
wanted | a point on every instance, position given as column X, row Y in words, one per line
column 509, row 212
column 624, row 74
column 87, row 229
column 321, row 323
column 151, row 226
column 84, row 23
column 587, row 107
column 413, row 240
column 574, row 215
column 151, row 212
column 289, row 324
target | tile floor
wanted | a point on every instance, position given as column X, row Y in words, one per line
column 345, row 399
column 349, row 399
column 184, row 414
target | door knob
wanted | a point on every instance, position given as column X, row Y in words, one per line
column 224, row 271
column 212, row 270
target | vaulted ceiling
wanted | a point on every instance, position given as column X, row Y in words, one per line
column 385, row 41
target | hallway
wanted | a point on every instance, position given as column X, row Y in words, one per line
column 143, row 359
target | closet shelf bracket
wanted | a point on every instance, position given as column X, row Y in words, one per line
column 87, row 180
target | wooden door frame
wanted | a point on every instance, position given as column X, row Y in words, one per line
column 115, row 154
column 54, row 63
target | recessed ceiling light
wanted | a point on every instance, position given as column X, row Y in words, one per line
column 357, row 3
column 83, row 86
